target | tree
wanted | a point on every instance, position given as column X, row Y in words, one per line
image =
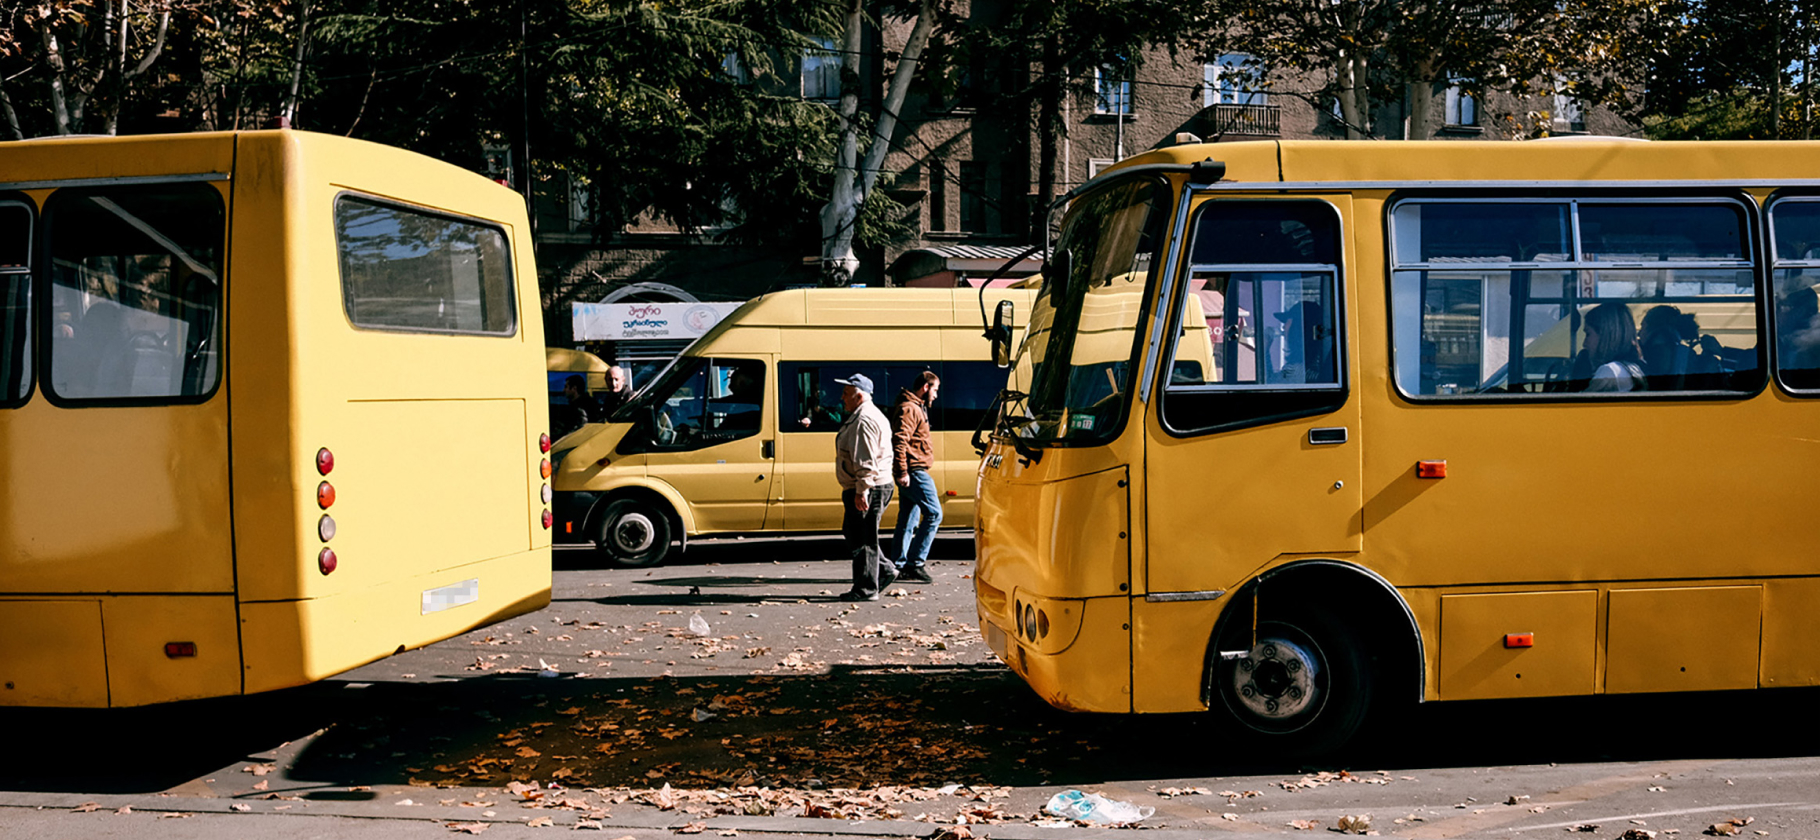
column 1737, row 69
column 86, row 53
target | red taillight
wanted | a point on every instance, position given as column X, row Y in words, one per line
column 326, row 561
column 544, row 468
column 325, row 495
column 325, row 461
column 1519, row 640
column 179, row 649
column 1431, row 469
column 543, row 442
column 548, row 519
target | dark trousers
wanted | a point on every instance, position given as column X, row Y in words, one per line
column 860, row 530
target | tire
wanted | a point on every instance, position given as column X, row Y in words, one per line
column 1303, row 689
column 633, row 534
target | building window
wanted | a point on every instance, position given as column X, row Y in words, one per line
column 1112, row 90
column 821, row 72
column 938, row 195
column 735, row 69
column 1233, row 80
column 1567, row 114
column 1097, row 165
column 979, row 197
column 1461, row 108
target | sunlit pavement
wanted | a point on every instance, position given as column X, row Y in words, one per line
column 797, row 714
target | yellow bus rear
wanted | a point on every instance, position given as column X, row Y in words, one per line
column 272, row 406
column 1460, row 438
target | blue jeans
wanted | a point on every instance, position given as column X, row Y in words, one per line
column 919, row 512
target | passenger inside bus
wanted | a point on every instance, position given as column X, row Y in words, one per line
column 1611, row 360
column 1798, row 336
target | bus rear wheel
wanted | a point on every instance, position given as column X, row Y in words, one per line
column 634, row 534
column 1303, row 687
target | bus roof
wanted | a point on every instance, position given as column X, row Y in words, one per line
column 1390, row 165
column 865, row 308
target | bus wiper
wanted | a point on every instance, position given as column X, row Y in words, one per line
column 1030, row 454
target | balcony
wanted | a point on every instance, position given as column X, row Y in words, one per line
column 1240, row 121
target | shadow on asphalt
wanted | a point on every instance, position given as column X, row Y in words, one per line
column 854, row 727
column 955, row 545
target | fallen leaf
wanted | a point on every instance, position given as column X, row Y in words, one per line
column 1637, row 834
column 1353, row 825
column 692, row 828
column 541, row 822
column 239, row 807
column 175, row 815
column 1729, row 827
column 1233, row 817
column 469, row 828
column 124, row 809
column 1304, row 825
column 1515, row 799
column 85, row 808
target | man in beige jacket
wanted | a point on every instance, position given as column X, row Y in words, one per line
column 862, row 464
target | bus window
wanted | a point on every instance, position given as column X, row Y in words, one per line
column 135, row 291
column 15, row 301
column 699, row 403
column 1493, row 296
column 414, row 271
column 968, row 389
column 1796, row 223
column 1257, row 336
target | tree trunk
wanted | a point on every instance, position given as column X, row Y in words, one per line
column 13, row 131
column 1048, row 124
column 855, row 178
column 289, row 112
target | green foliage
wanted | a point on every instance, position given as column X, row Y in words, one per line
column 1736, row 114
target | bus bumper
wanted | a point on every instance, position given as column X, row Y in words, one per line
column 1082, row 663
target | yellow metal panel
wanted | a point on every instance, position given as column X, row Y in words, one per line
column 289, row 643
column 1170, row 666
column 1091, row 676
column 1475, row 664
column 1063, row 539
column 1683, row 639
column 1791, row 632
column 138, row 672
column 68, row 158
column 52, row 654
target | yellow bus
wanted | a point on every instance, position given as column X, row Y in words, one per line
column 737, row 435
column 1479, row 420
column 272, row 405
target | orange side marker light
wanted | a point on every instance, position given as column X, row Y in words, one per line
column 1431, row 469
column 1519, row 640
column 177, row 649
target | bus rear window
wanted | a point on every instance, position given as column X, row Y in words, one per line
column 413, row 271
column 15, row 299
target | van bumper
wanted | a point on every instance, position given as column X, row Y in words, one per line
column 571, row 508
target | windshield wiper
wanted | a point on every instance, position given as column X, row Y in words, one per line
column 997, row 415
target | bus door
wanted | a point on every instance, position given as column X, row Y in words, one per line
column 711, row 440
column 1253, row 448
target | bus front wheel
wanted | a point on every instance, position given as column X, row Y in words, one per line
column 1301, row 686
column 633, row 533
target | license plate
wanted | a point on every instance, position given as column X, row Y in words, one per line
column 453, row 595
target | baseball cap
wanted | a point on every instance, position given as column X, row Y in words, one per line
column 858, row 380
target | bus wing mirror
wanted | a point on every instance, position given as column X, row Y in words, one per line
column 1000, row 333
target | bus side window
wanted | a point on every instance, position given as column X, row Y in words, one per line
column 135, row 291
column 1797, row 273
column 968, row 389
column 15, row 301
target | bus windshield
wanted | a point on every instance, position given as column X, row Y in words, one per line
column 1078, row 353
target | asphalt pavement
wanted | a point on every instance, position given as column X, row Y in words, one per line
column 730, row 693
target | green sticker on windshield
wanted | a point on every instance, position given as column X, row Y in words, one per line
column 1082, row 422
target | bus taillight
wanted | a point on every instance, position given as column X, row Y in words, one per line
column 325, row 527
column 326, row 561
column 543, row 442
column 548, row 520
column 325, row 495
column 544, row 468
column 325, row 460
column 547, row 494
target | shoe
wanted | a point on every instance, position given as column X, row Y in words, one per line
column 855, row 596
column 916, row 574
column 886, row 578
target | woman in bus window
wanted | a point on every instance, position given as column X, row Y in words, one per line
column 1611, row 354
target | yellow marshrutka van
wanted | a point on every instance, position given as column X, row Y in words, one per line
column 737, row 436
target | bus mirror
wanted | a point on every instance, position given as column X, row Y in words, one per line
column 1000, row 334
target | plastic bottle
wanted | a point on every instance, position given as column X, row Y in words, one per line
column 698, row 625
column 1092, row 807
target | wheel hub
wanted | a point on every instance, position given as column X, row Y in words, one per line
column 633, row 533
column 1276, row 679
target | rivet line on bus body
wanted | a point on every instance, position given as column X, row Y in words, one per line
column 325, row 527
column 325, row 461
column 326, row 560
column 325, row 495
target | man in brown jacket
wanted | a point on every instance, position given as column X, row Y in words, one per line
column 913, row 455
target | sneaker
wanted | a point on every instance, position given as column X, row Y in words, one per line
column 855, row 596
column 916, row 574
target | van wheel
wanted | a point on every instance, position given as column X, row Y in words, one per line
column 1302, row 689
column 633, row 534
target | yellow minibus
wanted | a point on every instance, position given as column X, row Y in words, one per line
column 272, row 407
column 1461, row 421
column 737, row 434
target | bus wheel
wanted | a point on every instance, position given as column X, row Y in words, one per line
column 1302, row 688
column 634, row 533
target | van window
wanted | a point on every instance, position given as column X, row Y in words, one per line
column 811, row 398
column 135, row 291
column 15, row 301
column 968, row 389
column 404, row 269
column 699, row 403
